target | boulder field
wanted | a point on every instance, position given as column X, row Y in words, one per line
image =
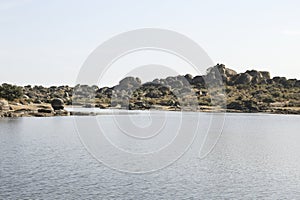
column 220, row 89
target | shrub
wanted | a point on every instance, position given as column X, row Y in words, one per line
column 268, row 99
column 10, row 92
column 276, row 94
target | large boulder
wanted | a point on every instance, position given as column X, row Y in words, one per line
column 279, row 80
column 226, row 72
column 258, row 77
column 266, row 75
column 243, row 78
column 130, row 81
column 189, row 78
column 176, row 84
column 4, row 106
column 198, row 80
column 221, row 72
column 156, row 81
column 129, row 84
column 170, row 79
column 250, row 77
column 253, row 73
column 57, row 104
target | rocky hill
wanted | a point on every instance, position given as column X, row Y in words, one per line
column 221, row 88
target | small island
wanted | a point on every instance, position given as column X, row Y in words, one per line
column 249, row 92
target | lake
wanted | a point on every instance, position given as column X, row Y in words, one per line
column 256, row 156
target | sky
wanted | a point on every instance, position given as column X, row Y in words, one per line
column 47, row 42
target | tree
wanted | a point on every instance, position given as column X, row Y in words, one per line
column 10, row 92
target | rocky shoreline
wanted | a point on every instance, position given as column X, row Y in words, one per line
column 220, row 90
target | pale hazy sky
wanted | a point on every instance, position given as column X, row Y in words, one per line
column 46, row 42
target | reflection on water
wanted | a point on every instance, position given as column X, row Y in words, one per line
column 257, row 156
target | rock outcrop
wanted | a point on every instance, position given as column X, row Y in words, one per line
column 251, row 91
column 57, row 104
column 4, row 106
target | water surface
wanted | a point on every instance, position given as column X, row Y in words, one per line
column 257, row 156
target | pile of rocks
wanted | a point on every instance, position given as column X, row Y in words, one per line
column 171, row 93
column 13, row 109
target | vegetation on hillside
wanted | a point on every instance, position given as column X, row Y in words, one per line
column 10, row 92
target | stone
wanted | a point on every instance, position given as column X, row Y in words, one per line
column 44, row 110
column 243, row 78
column 130, row 82
column 198, row 80
column 4, row 106
column 57, row 104
column 37, row 101
column 253, row 73
column 266, row 75
column 156, row 81
column 138, row 105
column 270, row 81
column 279, row 80
column 62, row 113
column 183, row 80
column 175, row 84
column 220, row 72
column 189, row 78
column 26, row 97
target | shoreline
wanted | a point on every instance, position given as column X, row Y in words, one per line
column 45, row 110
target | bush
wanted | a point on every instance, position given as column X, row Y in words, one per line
column 10, row 92
column 268, row 99
column 276, row 94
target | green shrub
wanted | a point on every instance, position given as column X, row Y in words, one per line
column 10, row 92
column 268, row 99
